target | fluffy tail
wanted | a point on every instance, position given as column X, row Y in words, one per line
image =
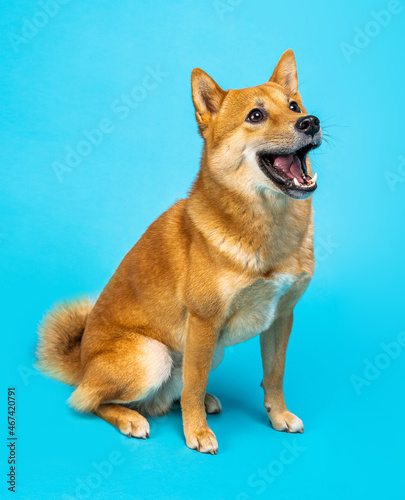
column 60, row 335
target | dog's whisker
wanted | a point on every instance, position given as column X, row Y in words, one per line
column 334, row 125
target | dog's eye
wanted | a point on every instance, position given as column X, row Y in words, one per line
column 294, row 107
column 255, row 116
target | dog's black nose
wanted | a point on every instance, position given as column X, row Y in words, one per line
column 308, row 124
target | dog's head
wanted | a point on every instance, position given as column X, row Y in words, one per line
column 259, row 135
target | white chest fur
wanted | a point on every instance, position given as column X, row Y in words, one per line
column 253, row 309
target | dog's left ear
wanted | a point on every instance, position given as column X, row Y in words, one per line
column 285, row 73
column 207, row 98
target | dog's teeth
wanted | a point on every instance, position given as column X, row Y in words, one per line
column 296, row 182
column 314, row 178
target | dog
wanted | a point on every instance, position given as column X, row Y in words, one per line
column 225, row 264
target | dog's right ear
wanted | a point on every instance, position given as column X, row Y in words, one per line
column 285, row 73
column 207, row 98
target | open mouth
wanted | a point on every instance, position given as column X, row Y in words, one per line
column 289, row 171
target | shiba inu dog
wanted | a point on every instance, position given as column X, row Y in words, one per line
column 219, row 267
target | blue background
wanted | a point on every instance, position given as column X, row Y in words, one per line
column 61, row 239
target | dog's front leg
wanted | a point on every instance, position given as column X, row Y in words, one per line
column 273, row 344
column 200, row 345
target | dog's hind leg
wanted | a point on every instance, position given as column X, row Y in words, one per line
column 128, row 369
column 129, row 422
column 211, row 402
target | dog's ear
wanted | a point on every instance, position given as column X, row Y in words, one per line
column 207, row 97
column 285, row 73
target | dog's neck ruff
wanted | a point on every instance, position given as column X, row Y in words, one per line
column 255, row 234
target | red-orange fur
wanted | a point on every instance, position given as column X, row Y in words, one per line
column 177, row 294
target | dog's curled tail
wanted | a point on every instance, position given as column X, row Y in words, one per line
column 60, row 335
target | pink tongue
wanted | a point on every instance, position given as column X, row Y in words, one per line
column 290, row 165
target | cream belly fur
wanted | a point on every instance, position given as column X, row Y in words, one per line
column 253, row 309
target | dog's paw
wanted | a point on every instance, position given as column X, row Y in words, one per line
column 285, row 421
column 136, row 426
column 203, row 441
column 212, row 404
